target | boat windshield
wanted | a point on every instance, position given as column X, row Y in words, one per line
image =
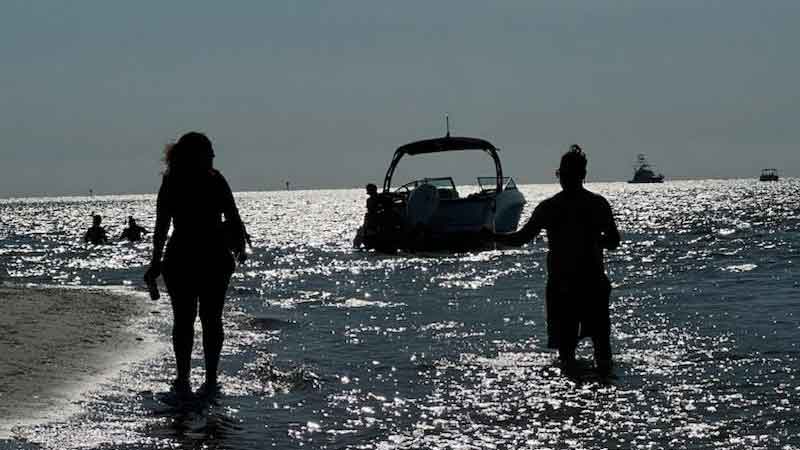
column 438, row 183
column 490, row 183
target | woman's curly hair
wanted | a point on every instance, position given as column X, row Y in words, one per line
column 189, row 152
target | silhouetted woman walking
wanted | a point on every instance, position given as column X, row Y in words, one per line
column 199, row 257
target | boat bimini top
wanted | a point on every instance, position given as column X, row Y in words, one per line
column 445, row 144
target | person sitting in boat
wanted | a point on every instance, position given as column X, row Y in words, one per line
column 373, row 205
column 96, row 234
column 371, row 217
column 134, row 231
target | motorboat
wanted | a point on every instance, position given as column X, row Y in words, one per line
column 768, row 175
column 643, row 172
column 429, row 214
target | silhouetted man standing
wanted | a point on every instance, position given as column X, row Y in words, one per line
column 579, row 226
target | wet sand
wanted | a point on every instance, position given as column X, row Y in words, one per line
column 57, row 343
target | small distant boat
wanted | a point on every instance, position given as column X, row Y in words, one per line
column 644, row 173
column 768, row 175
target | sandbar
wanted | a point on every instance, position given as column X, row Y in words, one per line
column 55, row 342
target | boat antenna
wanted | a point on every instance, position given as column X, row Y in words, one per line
column 447, row 123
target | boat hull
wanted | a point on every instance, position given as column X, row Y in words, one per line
column 454, row 225
column 655, row 180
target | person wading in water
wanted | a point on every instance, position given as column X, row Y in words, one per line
column 579, row 225
column 199, row 257
column 133, row 232
column 96, row 234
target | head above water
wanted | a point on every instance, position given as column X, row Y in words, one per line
column 572, row 170
column 372, row 189
column 97, row 219
column 193, row 152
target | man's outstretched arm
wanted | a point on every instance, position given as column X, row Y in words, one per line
column 527, row 233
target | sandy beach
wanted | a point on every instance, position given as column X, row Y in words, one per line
column 56, row 343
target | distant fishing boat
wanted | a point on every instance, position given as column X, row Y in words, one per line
column 644, row 173
column 768, row 175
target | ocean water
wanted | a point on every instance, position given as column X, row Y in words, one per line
column 331, row 348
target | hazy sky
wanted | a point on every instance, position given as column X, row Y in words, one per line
column 321, row 93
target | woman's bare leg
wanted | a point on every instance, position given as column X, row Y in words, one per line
column 184, row 313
